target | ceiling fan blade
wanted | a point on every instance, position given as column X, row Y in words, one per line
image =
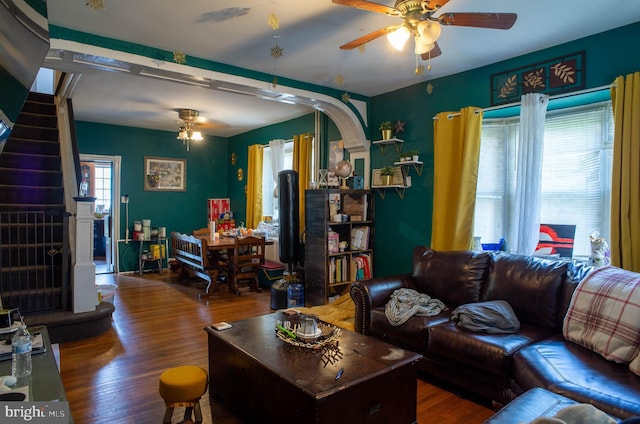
column 370, row 6
column 434, row 52
column 369, row 37
column 479, row 20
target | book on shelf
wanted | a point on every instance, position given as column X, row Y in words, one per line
column 338, row 270
column 361, row 267
column 360, row 238
column 333, row 240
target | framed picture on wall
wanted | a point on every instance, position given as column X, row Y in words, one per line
column 165, row 174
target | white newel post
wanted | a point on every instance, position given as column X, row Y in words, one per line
column 85, row 293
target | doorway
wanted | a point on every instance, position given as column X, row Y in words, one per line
column 101, row 177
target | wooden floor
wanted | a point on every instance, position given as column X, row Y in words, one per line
column 158, row 323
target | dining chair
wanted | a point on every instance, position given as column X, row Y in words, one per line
column 221, row 257
column 248, row 257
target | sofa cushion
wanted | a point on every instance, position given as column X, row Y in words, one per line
column 571, row 370
column 604, row 314
column 411, row 335
column 533, row 404
column 531, row 285
column 490, row 352
column 454, row 277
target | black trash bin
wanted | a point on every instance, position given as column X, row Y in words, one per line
column 279, row 295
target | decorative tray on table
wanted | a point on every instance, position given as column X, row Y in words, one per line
column 304, row 333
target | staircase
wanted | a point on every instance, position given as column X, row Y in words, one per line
column 34, row 227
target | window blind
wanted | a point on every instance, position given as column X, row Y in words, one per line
column 576, row 174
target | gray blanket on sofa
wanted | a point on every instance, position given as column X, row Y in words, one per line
column 405, row 303
column 495, row 316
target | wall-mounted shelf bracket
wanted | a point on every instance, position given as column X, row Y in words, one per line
column 382, row 190
column 383, row 144
column 415, row 164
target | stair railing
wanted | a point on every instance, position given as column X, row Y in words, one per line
column 34, row 273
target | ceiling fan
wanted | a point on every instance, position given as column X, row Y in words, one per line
column 420, row 22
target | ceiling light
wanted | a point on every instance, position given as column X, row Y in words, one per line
column 188, row 130
column 399, row 37
column 421, row 47
column 429, row 31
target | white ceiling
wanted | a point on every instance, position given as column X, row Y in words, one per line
column 237, row 33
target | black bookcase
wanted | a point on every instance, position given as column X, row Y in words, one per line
column 327, row 272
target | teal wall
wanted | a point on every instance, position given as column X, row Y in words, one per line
column 285, row 130
column 206, row 168
column 401, row 224
column 607, row 55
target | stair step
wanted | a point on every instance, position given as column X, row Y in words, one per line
column 36, row 97
column 65, row 326
column 36, row 133
column 39, row 108
column 37, row 120
column 20, row 161
column 30, row 207
column 31, row 146
column 26, row 194
column 37, row 299
column 30, row 177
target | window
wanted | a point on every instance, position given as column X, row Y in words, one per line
column 103, row 186
column 576, row 174
column 269, row 202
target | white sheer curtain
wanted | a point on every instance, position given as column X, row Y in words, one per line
column 277, row 161
column 533, row 110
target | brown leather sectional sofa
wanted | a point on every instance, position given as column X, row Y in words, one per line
column 498, row 367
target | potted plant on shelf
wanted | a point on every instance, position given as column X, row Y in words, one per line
column 413, row 155
column 387, row 130
column 386, row 172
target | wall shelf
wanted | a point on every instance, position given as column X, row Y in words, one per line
column 382, row 190
column 415, row 164
column 383, row 144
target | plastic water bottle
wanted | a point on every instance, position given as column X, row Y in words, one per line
column 21, row 357
column 295, row 293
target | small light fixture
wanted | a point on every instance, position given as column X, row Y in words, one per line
column 429, row 31
column 188, row 131
column 421, row 47
column 399, row 37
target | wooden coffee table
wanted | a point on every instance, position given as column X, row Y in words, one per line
column 263, row 379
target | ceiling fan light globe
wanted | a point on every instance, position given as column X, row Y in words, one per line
column 422, row 48
column 197, row 136
column 429, row 31
column 399, row 37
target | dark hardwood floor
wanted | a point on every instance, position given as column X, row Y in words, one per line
column 158, row 323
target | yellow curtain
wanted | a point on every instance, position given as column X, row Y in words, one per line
column 254, row 186
column 625, row 178
column 456, row 155
column 302, row 147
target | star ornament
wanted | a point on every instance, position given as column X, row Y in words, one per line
column 95, row 4
column 273, row 21
column 277, row 51
column 399, row 126
column 429, row 88
column 346, row 97
column 179, row 57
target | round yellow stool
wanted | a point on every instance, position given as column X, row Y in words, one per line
column 183, row 387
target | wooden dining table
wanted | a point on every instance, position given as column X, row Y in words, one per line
column 223, row 243
column 218, row 245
